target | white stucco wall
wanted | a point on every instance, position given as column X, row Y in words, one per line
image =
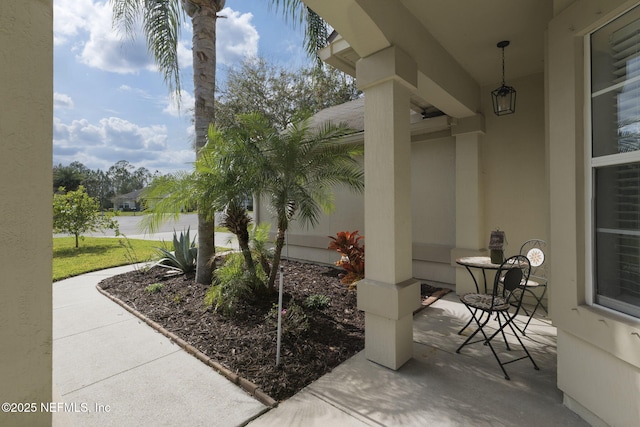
column 598, row 351
column 26, row 93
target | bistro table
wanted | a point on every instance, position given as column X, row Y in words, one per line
column 480, row 262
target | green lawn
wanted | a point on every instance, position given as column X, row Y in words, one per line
column 98, row 253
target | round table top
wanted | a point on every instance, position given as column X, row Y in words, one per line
column 478, row 261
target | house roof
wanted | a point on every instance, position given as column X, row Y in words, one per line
column 351, row 113
column 134, row 195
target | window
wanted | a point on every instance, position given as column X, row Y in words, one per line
column 615, row 163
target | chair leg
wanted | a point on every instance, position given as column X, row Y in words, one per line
column 501, row 329
column 524, row 348
column 509, row 322
column 504, row 371
column 538, row 304
column 480, row 327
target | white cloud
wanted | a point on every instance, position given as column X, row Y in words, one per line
column 70, row 17
column 111, row 50
column 187, row 101
column 136, row 91
column 87, row 25
column 237, row 38
column 112, row 139
column 61, row 100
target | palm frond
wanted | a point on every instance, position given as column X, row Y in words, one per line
column 160, row 21
column 161, row 24
column 167, row 197
column 316, row 29
column 293, row 10
column 125, row 15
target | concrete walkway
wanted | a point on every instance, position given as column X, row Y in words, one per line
column 111, row 369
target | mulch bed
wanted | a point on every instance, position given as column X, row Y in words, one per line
column 245, row 343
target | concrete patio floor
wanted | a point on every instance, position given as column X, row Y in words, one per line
column 437, row 387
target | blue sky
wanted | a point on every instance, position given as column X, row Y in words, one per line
column 111, row 104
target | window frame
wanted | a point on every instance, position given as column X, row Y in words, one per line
column 627, row 310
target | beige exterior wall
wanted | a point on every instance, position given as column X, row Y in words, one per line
column 598, row 350
column 433, row 204
column 513, row 166
column 514, row 198
column 26, row 85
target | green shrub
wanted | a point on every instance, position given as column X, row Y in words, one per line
column 183, row 257
column 152, row 289
column 258, row 239
column 232, row 283
column 295, row 323
column 317, row 302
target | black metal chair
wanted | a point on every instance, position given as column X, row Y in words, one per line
column 504, row 303
column 534, row 250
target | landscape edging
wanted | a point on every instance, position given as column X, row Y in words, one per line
column 245, row 384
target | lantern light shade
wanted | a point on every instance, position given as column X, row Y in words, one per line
column 504, row 98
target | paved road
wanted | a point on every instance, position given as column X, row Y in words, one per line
column 133, row 228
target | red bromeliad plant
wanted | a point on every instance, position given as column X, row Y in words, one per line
column 348, row 245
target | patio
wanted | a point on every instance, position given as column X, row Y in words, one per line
column 437, row 386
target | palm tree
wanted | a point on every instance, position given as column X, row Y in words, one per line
column 161, row 21
column 225, row 174
column 161, row 25
column 295, row 170
column 300, row 168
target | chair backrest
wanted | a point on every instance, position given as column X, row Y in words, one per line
column 512, row 274
column 535, row 251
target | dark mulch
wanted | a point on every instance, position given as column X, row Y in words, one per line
column 246, row 342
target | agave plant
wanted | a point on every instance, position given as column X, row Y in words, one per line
column 183, row 257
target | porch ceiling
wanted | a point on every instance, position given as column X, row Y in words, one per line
column 460, row 36
column 469, row 31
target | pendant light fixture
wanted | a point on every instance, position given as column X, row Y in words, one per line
column 504, row 98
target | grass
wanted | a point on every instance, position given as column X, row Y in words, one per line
column 97, row 253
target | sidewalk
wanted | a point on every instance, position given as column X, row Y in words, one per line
column 111, row 369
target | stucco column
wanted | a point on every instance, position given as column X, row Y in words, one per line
column 388, row 295
column 470, row 231
column 26, row 115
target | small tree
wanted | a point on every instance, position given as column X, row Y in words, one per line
column 76, row 213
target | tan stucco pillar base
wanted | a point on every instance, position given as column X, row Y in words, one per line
column 388, row 320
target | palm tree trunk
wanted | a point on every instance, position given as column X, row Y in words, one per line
column 203, row 20
column 276, row 258
column 206, row 251
column 243, row 242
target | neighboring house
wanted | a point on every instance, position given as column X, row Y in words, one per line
column 128, row 202
column 565, row 167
